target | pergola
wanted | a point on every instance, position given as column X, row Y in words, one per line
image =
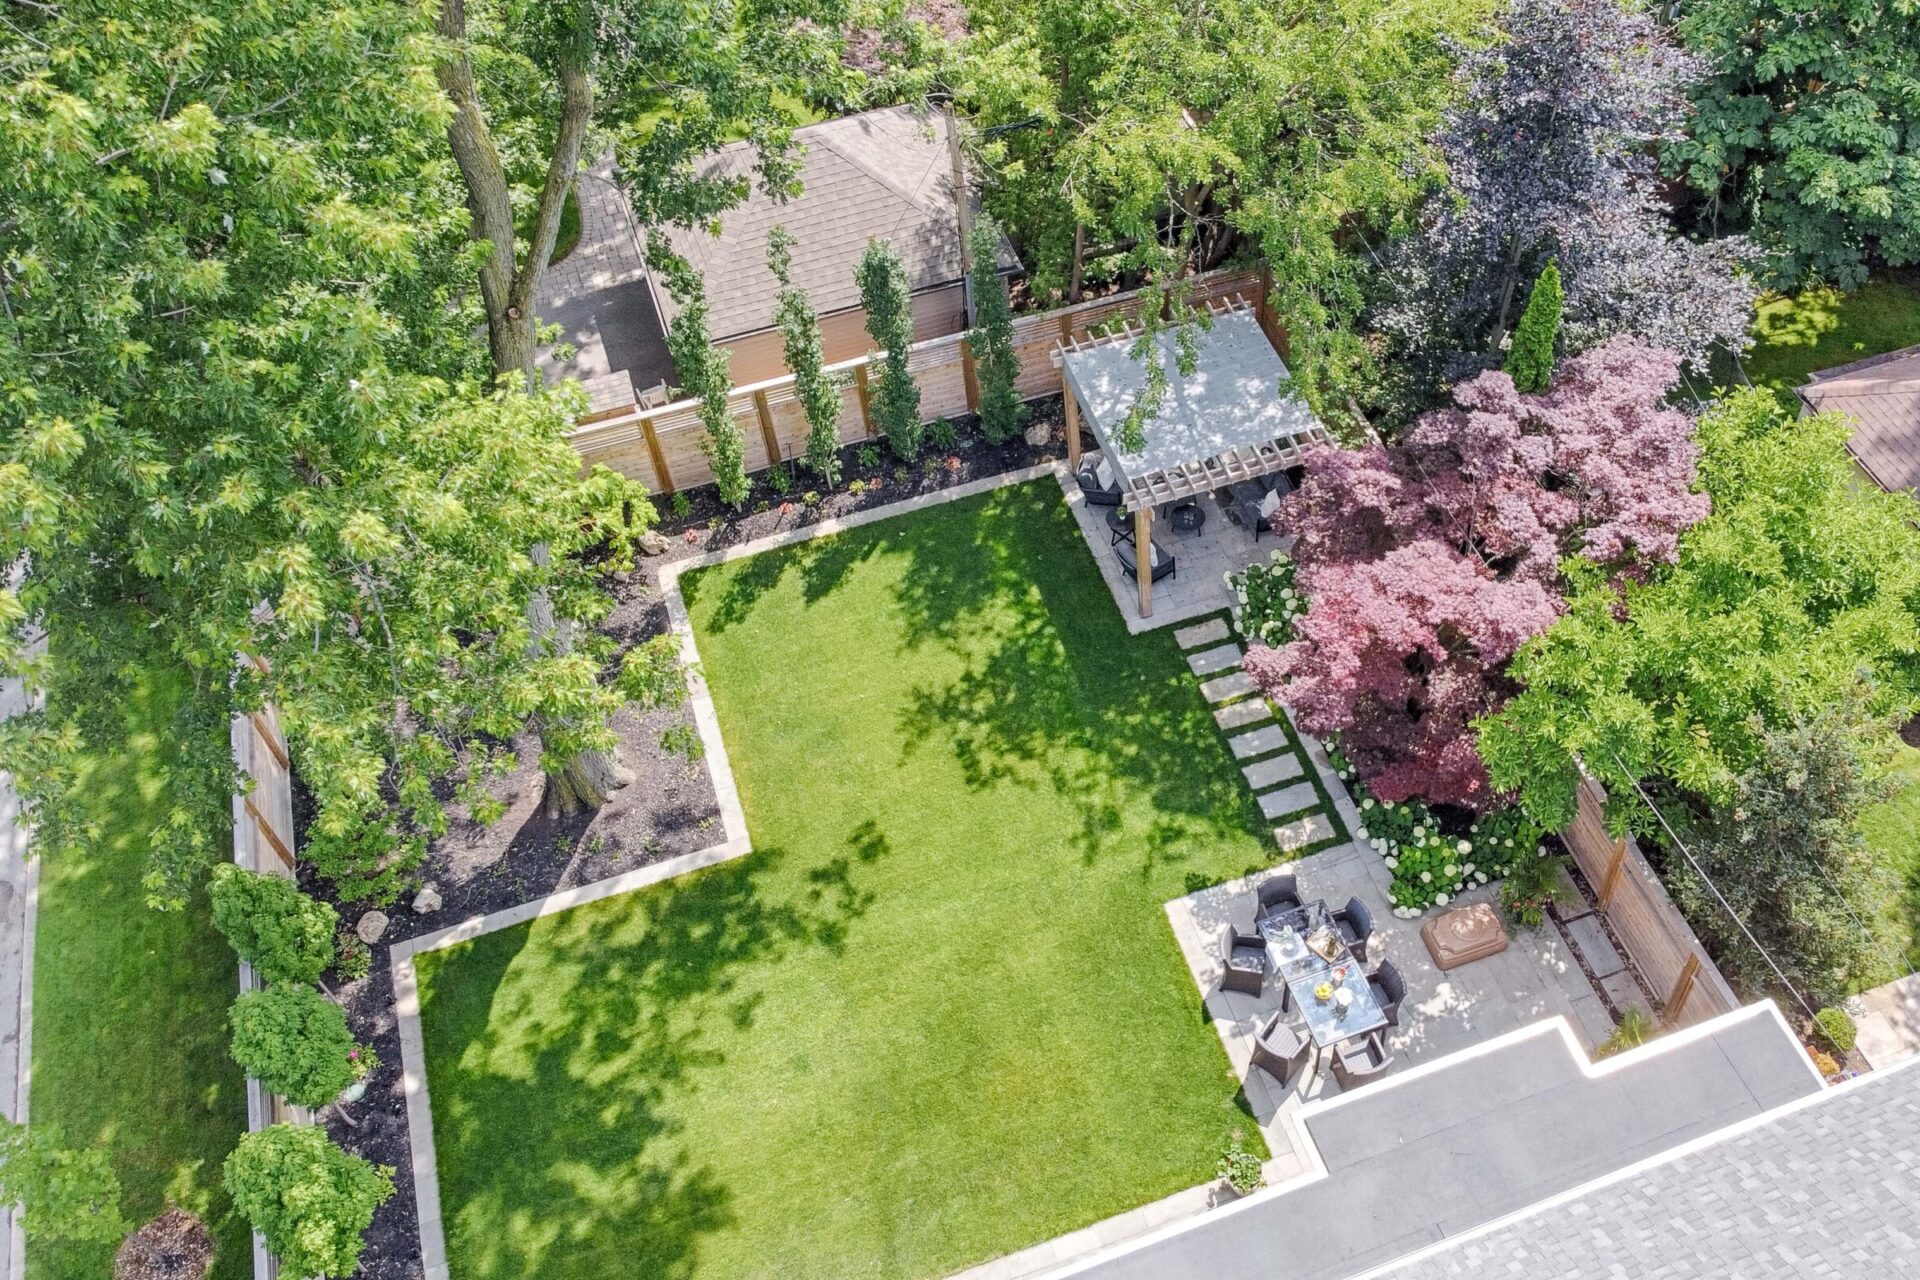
column 1226, row 422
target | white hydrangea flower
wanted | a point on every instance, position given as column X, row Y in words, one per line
column 1467, row 867
column 1452, row 870
column 1439, row 899
column 1277, row 557
column 1392, row 863
column 1426, row 877
column 1465, row 846
column 1361, row 832
column 1367, row 803
column 1481, row 878
column 1420, row 833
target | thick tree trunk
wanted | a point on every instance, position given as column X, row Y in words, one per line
column 509, row 289
column 1077, row 272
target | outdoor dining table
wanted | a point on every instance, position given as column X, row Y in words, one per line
column 1303, row 970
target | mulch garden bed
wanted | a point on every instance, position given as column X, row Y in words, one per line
column 668, row 810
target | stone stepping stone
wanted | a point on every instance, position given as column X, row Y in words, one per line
column 1277, row 804
column 1219, row 658
column 1258, row 743
column 1237, row 715
column 1272, row 771
column 1589, row 938
column 1204, row 633
column 1231, row 685
column 1302, row 832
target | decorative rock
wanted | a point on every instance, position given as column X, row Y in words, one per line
column 1039, row 433
column 372, row 925
column 653, row 544
column 427, row 901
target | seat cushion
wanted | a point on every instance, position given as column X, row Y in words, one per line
column 1269, row 505
column 1103, row 473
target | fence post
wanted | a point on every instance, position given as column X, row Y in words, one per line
column 1073, row 420
column 866, row 407
column 1682, row 988
column 767, row 433
column 969, row 377
column 1611, row 881
column 660, row 472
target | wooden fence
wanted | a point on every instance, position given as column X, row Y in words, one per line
column 1657, row 937
column 661, row 447
column 263, row 841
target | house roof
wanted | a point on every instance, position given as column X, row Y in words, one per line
column 1227, row 409
column 1445, row 1148
column 1882, row 396
column 879, row 175
column 1833, row 1180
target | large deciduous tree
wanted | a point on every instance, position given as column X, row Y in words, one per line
column 241, row 412
column 1549, row 155
column 1802, row 579
column 1172, row 136
column 1427, row 564
column 1806, row 131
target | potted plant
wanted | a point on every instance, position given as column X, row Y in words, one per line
column 1238, row 1167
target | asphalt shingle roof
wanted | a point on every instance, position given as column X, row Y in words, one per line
column 1882, row 395
column 1828, row 1188
column 880, row 175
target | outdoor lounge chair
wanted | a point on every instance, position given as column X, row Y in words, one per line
column 1097, row 495
column 1249, row 505
column 1356, row 1064
column 1243, row 961
column 1355, row 924
column 1162, row 559
column 1277, row 896
column 1389, row 989
column 1278, row 1049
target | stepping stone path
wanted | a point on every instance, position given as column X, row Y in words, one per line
column 1275, row 772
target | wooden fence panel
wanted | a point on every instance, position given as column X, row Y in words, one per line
column 263, row 841
column 937, row 364
column 1657, row 937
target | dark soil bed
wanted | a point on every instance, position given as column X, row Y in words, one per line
column 668, row 810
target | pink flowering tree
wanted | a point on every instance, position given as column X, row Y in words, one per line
column 1428, row 563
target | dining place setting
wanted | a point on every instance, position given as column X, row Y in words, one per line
column 1327, row 998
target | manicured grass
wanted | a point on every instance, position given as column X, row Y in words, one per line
column 938, row 1014
column 1893, row 829
column 1819, row 328
column 129, row 1019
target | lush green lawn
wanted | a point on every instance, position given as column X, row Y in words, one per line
column 938, row 1014
column 129, row 1021
column 1819, row 328
column 1893, row 829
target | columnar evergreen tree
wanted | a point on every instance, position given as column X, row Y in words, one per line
column 1806, row 131
column 819, row 394
column 889, row 306
column 995, row 362
column 1530, row 358
column 1550, row 154
column 1800, row 580
column 703, row 371
column 241, row 412
column 1426, row 565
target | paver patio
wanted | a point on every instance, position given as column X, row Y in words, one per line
column 1198, row 585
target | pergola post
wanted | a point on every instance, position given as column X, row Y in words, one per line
column 1143, row 557
column 1073, row 420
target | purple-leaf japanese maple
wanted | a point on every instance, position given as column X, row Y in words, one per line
column 1428, row 563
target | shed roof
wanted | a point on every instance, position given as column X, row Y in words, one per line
column 1882, row 396
column 1225, row 421
column 879, row 175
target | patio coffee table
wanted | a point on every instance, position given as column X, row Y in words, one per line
column 1187, row 517
column 1303, row 970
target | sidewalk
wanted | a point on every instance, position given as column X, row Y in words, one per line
column 17, row 887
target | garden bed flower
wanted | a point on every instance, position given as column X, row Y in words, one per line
column 1434, row 859
column 1265, row 601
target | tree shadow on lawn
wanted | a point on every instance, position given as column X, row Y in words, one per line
column 961, row 562
column 1065, row 696
column 555, row 1058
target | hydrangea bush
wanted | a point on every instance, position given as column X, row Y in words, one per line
column 1430, row 865
column 1267, row 602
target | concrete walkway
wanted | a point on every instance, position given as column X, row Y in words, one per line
column 1889, row 1022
